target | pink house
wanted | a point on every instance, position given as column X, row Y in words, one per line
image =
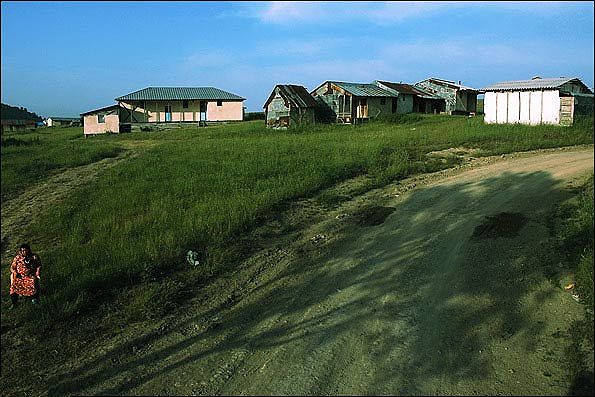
column 180, row 104
column 101, row 121
column 156, row 105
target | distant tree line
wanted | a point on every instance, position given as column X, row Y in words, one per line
column 17, row 113
column 253, row 116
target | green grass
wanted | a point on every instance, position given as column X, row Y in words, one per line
column 29, row 157
column 574, row 235
column 201, row 189
column 571, row 253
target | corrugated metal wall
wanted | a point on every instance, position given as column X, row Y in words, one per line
column 527, row 107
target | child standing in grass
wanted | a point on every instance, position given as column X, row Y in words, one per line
column 24, row 275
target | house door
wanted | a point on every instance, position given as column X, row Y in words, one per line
column 168, row 113
column 203, row 111
column 394, row 105
column 362, row 109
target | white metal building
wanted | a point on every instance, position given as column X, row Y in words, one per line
column 537, row 101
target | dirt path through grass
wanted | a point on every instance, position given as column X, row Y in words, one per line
column 19, row 212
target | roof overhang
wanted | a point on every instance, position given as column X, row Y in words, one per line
column 103, row 109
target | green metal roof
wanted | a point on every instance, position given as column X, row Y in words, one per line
column 364, row 89
column 179, row 93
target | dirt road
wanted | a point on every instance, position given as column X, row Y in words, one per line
column 429, row 286
column 19, row 212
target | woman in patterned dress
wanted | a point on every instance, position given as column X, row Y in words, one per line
column 24, row 275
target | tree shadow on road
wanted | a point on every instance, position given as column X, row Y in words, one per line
column 418, row 296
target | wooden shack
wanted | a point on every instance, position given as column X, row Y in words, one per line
column 289, row 105
column 414, row 99
column 352, row 103
column 459, row 99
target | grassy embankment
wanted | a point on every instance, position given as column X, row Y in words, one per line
column 571, row 252
column 200, row 189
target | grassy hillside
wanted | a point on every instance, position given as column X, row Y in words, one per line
column 202, row 189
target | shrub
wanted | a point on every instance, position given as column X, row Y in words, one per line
column 254, row 116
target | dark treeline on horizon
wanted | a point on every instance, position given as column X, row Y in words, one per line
column 18, row 113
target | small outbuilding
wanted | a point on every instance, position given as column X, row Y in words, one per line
column 13, row 125
column 101, row 121
column 289, row 105
column 459, row 99
column 537, row 101
column 62, row 122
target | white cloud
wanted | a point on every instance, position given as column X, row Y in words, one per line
column 286, row 11
column 455, row 52
column 283, row 12
column 383, row 13
column 300, row 48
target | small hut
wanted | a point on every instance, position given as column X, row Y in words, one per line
column 102, row 121
column 289, row 105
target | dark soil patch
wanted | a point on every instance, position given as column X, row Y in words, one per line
column 504, row 224
column 373, row 216
column 582, row 384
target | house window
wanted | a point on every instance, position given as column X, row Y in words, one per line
column 185, row 104
column 101, row 118
column 219, row 103
column 383, row 101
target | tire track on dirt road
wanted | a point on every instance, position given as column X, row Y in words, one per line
column 415, row 306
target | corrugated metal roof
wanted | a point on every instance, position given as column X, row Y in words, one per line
column 364, row 89
column 179, row 93
column 452, row 84
column 64, row 118
column 409, row 89
column 298, row 94
column 399, row 87
column 533, row 84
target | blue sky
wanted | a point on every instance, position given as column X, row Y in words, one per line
column 64, row 58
